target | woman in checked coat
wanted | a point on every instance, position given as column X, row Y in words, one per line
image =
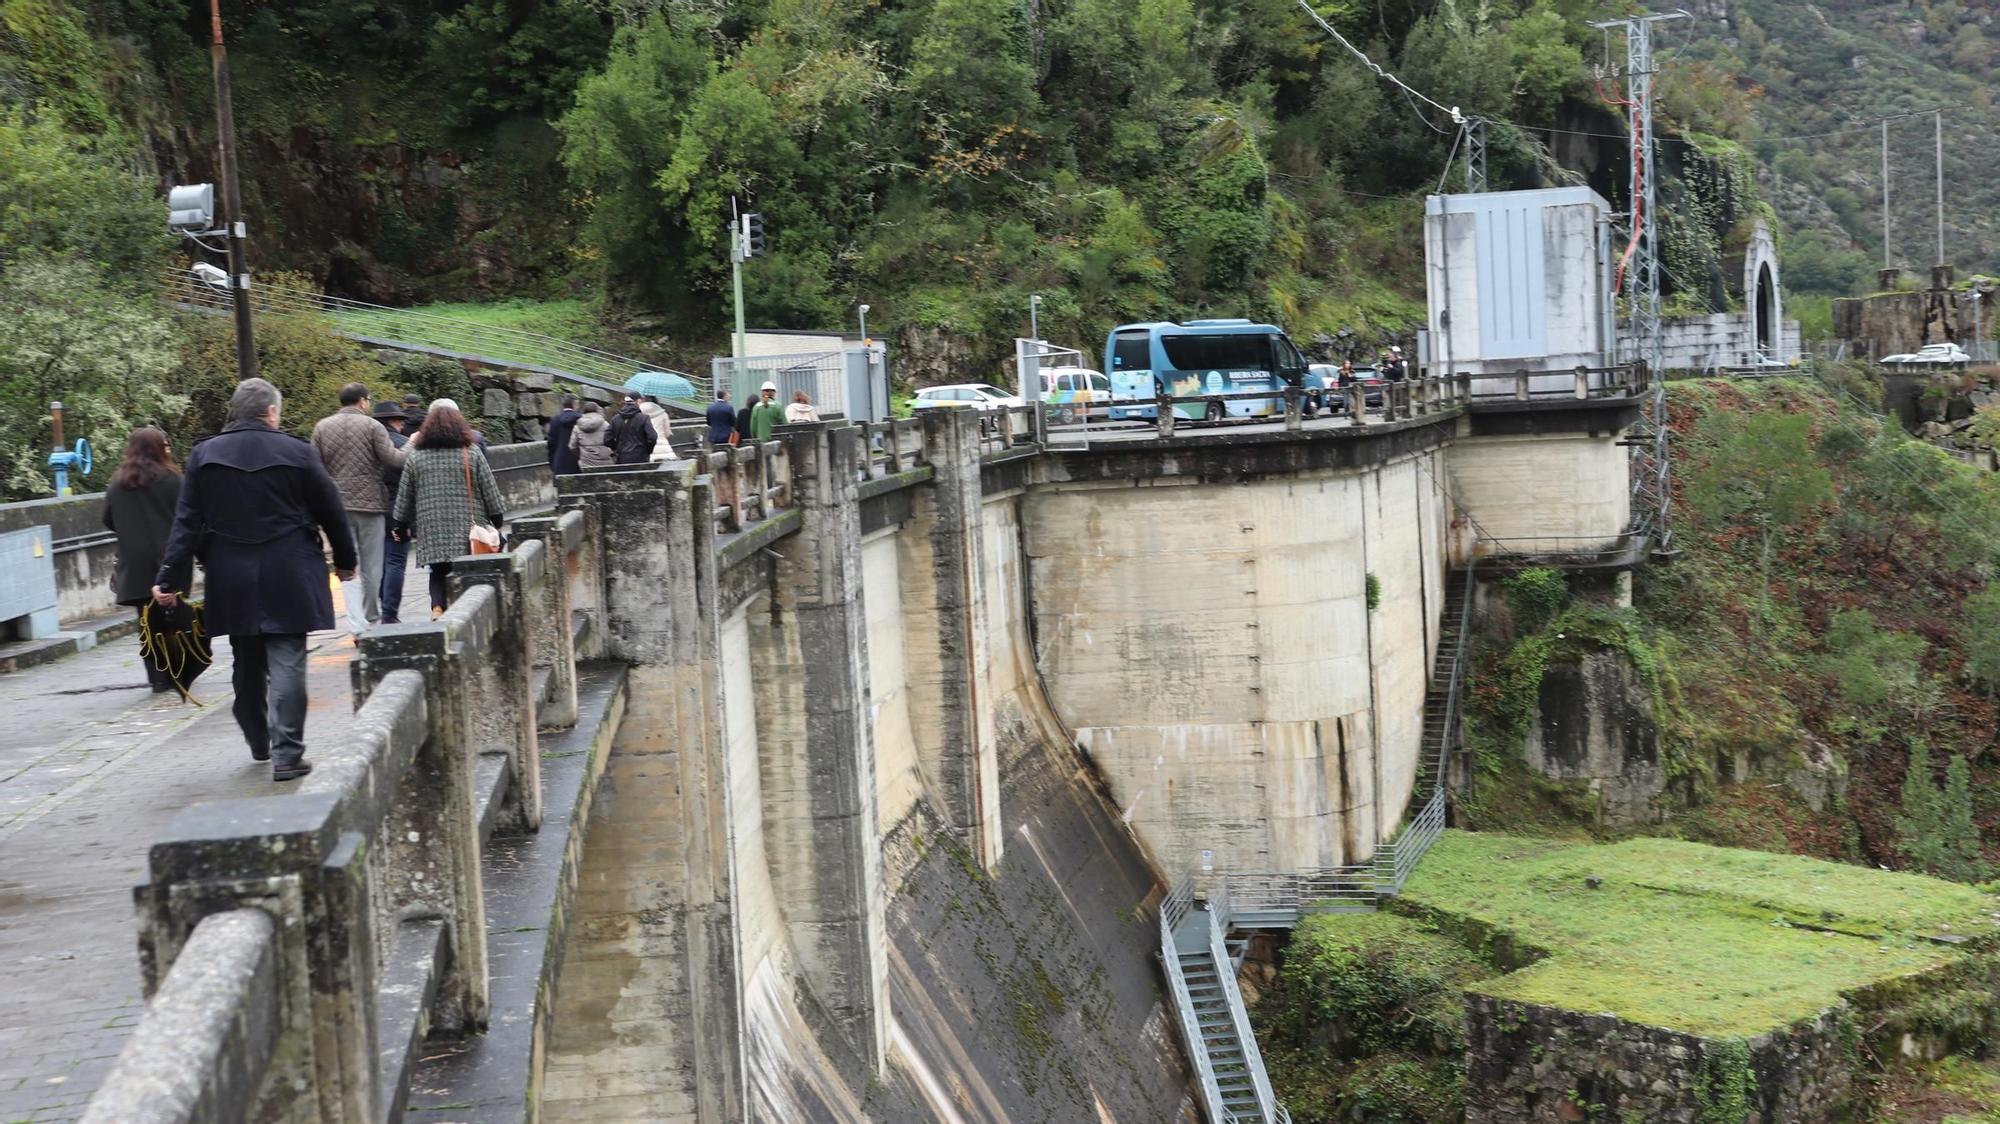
column 447, row 487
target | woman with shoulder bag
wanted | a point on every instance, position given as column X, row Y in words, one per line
column 448, row 504
column 139, row 509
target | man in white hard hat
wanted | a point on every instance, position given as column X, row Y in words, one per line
column 767, row 414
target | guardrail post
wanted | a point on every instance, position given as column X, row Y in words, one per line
column 1582, row 381
column 1463, row 380
column 426, row 850
column 1164, row 414
column 288, row 857
column 1357, row 403
column 1294, row 415
column 504, row 704
column 1520, row 386
column 549, row 615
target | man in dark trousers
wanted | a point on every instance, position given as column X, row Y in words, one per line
column 253, row 505
column 395, row 554
column 562, row 458
column 721, row 420
column 632, row 436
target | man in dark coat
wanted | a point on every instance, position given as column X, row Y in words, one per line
column 395, row 555
column 562, row 458
column 632, row 436
column 253, row 505
column 721, row 420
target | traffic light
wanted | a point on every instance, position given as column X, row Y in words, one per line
column 753, row 235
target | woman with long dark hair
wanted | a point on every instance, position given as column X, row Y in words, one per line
column 139, row 509
column 447, row 488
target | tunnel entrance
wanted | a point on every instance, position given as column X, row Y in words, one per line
column 1766, row 299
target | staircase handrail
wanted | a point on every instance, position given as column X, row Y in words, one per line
column 1239, row 1020
column 1183, row 1005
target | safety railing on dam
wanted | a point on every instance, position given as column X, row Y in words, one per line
column 298, row 949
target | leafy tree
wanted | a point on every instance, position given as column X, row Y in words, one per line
column 65, row 193
column 68, row 334
column 972, row 70
column 622, row 131
column 1876, row 668
column 1980, row 636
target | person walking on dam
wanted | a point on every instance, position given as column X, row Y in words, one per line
column 590, row 438
column 252, row 508
column 767, row 414
column 447, row 489
column 562, row 455
column 357, row 451
column 139, row 509
column 632, row 437
column 395, row 553
column 721, row 421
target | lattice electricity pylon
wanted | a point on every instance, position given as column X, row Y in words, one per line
column 1638, row 281
column 1475, row 154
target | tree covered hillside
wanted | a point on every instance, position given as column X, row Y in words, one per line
column 1818, row 76
column 938, row 158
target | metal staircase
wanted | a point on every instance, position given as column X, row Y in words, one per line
column 1201, row 957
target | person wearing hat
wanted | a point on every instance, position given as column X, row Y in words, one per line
column 395, row 552
column 767, row 414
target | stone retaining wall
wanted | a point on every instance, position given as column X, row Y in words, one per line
column 1527, row 1064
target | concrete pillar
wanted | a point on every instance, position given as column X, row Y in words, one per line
column 549, row 615
column 290, row 858
column 425, row 854
column 502, row 713
column 946, row 657
column 667, row 768
column 822, row 830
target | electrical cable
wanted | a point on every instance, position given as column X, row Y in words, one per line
column 1410, row 94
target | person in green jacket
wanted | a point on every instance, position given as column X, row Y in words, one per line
column 767, row 414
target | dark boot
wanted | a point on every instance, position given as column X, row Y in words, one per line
column 290, row 770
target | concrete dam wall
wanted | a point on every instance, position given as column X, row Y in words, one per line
column 906, row 765
column 1213, row 646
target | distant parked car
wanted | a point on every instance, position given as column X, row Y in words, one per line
column 1763, row 359
column 966, row 396
column 1932, row 353
column 1368, row 378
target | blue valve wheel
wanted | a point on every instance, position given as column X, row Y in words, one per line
column 83, row 456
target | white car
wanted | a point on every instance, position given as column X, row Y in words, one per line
column 1932, row 353
column 965, row 395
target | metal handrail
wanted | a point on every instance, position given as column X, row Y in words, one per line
column 1190, row 1030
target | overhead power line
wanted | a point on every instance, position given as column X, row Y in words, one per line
column 1410, row 93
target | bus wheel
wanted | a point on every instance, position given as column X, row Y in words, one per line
column 1214, row 411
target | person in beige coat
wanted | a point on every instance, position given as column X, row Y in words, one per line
column 357, row 451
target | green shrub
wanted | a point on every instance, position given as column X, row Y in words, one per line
column 1535, row 597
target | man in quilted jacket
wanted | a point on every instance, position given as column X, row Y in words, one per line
column 357, row 451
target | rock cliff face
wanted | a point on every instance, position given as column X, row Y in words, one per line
column 1888, row 323
column 1594, row 722
column 390, row 221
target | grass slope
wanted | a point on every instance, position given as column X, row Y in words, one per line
column 1693, row 938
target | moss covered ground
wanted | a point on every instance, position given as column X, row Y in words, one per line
column 1694, row 938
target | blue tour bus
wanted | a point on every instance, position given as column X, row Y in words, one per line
column 1202, row 357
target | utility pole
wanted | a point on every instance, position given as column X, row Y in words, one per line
column 1937, row 123
column 1888, row 263
column 737, row 279
column 232, row 200
column 1475, row 154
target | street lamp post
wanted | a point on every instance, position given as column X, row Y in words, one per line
column 864, row 325
column 1034, row 323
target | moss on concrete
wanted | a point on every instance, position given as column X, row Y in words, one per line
column 1704, row 940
